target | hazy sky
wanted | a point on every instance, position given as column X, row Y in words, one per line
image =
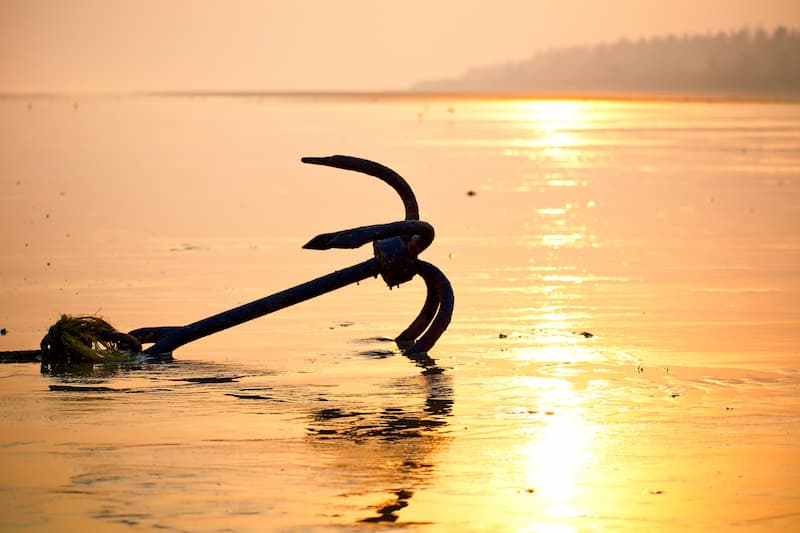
column 107, row 45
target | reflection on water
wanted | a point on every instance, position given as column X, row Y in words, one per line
column 554, row 128
column 556, row 458
column 626, row 282
column 396, row 444
column 114, row 459
column 91, row 371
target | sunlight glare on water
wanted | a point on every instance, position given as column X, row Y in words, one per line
column 623, row 354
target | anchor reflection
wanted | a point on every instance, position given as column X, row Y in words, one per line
column 393, row 447
column 83, row 369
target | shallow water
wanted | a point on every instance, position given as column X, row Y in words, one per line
column 668, row 230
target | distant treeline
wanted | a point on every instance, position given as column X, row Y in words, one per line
column 742, row 62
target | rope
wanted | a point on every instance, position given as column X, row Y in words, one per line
column 88, row 339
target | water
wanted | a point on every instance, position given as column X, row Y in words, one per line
column 665, row 229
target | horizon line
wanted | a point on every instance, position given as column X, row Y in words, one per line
column 412, row 94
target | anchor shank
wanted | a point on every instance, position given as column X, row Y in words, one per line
column 264, row 306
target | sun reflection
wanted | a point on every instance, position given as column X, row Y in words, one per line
column 564, row 183
column 550, row 115
column 560, row 240
column 551, row 211
column 559, row 451
column 563, row 349
column 552, row 129
column 555, row 459
column 559, row 448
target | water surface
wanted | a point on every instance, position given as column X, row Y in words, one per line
column 623, row 352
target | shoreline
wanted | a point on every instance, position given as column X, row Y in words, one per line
column 408, row 95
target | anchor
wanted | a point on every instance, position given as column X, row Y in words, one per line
column 396, row 247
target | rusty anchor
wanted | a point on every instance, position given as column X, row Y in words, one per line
column 396, row 247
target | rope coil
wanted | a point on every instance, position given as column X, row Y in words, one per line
column 87, row 339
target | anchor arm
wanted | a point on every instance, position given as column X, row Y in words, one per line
column 371, row 168
column 357, row 237
column 409, row 335
column 397, row 245
column 446, row 300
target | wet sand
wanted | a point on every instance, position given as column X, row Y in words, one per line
column 665, row 229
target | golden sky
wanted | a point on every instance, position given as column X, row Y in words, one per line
column 100, row 45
